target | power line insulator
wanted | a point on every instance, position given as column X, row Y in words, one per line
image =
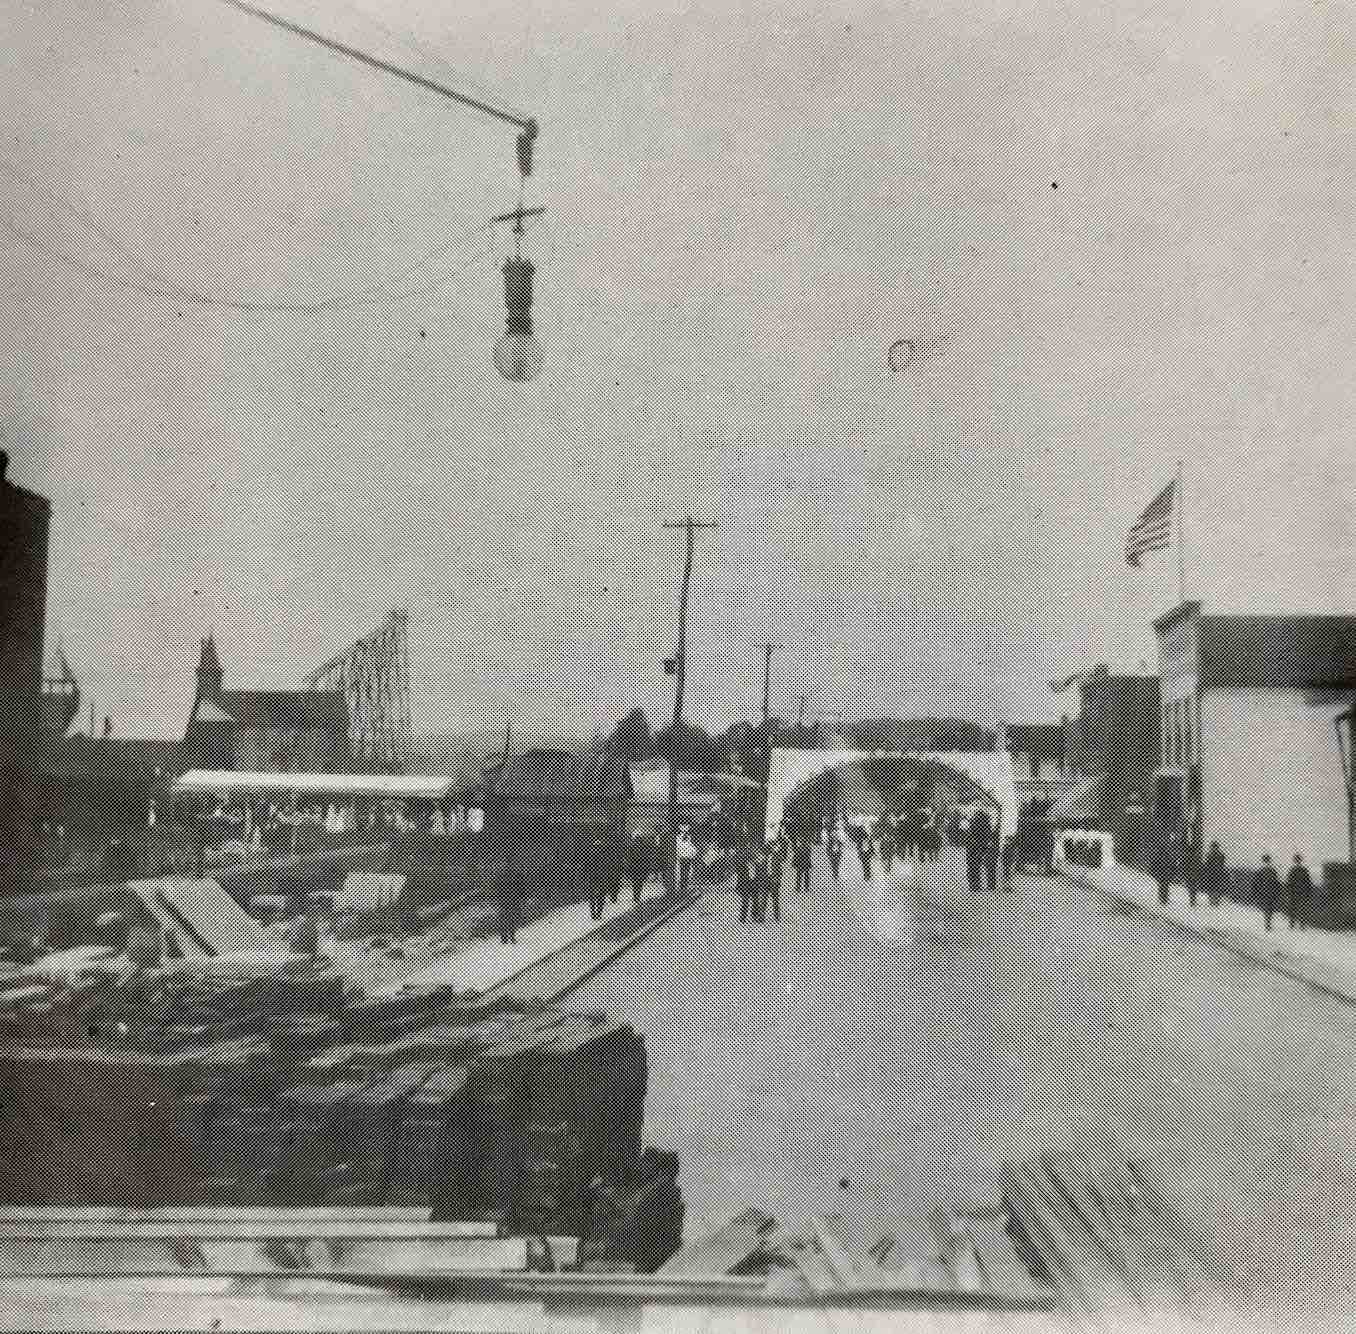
column 525, row 141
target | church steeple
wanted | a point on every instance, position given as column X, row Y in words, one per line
column 209, row 671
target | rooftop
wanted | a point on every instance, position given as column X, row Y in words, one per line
column 1314, row 651
column 326, row 709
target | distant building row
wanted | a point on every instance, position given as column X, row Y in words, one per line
column 1236, row 740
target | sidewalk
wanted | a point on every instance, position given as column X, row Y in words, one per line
column 1323, row 959
column 484, row 963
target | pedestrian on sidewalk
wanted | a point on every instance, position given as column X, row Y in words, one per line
column 801, row 864
column 1214, row 874
column 1266, row 889
column 1299, row 893
column 510, row 904
column 1164, row 868
column 1192, row 872
column 597, row 895
column 639, row 860
column 685, row 853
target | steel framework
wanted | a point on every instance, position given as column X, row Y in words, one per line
column 374, row 675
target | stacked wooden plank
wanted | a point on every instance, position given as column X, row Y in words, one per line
column 947, row 1258
column 264, row 1083
column 479, row 1113
column 1111, row 1243
column 246, row 1242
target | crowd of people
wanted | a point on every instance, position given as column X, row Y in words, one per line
column 916, row 835
column 1208, row 876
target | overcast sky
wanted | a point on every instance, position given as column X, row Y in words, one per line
column 1130, row 223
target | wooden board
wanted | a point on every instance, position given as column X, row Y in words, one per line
column 1000, row 1264
column 1084, row 1277
column 248, row 1229
column 74, row 1258
column 1146, row 1268
column 224, row 1214
column 810, row 1263
column 722, row 1251
column 213, row 917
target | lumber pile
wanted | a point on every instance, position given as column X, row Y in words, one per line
column 282, row 1088
column 1112, row 1244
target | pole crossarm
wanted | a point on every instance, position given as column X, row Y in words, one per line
column 525, row 123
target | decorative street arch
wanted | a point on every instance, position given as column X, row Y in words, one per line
column 791, row 770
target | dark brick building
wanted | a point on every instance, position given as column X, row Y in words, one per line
column 1113, row 744
column 24, row 522
column 264, row 731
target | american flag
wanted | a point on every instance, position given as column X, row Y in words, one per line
column 1153, row 528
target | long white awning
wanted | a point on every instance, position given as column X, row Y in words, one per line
column 222, row 782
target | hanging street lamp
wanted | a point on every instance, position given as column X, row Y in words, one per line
column 1345, row 724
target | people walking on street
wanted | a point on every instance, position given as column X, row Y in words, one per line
column 639, row 861
column 801, row 861
column 751, row 875
column 1214, row 874
column 770, row 898
column 1299, row 893
column 833, row 848
column 993, row 855
column 885, row 842
column 929, row 835
column 979, row 833
column 1164, row 869
column 1009, row 859
column 1266, row 889
column 867, row 852
column 856, row 832
column 906, row 836
column 777, row 850
column 685, row 858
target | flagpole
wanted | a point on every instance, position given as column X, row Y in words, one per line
column 1181, row 533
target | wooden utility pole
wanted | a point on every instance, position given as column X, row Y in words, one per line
column 691, row 527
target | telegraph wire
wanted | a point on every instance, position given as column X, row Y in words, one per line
column 161, row 287
column 85, row 216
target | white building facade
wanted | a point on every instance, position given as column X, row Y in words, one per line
column 1250, row 753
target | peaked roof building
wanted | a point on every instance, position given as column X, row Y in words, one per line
column 264, row 731
column 60, row 693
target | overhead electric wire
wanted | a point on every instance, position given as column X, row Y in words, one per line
column 163, row 287
column 513, row 118
column 428, row 53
